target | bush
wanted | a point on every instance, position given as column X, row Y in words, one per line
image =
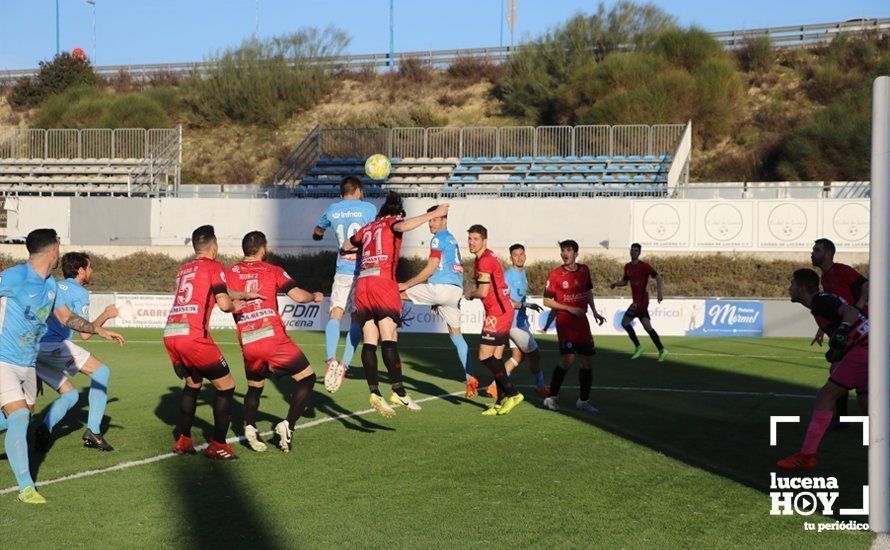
column 414, row 70
column 755, row 55
column 685, row 275
column 53, row 77
column 471, row 69
column 688, row 49
column 529, row 87
column 265, row 82
column 91, row 108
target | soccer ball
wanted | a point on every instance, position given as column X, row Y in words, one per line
column 377, row 167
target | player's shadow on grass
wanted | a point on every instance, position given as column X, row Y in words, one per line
column 708, row 427
column 322, row 405
column 167, row 411
column 75, row 421
column 678, row 346
column 217, row 509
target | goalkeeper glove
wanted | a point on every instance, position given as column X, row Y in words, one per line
column 837, row 344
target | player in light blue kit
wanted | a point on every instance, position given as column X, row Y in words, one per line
column 346, row 217
column 524, row 344
column 27, row 298
column 59, row 358
column 441, row 285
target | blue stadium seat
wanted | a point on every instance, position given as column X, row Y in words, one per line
column 602, row 158
column 482, row 159
column 571, row 158
column 634, row 158
column 512, row 159
column 545, row 179
column 598, row 168
column 556, row 158
column 608, row 178
column 520, row 167
column 577, row 178
column 562, row 178
column 665, row 158
column 454, row 179
column 475, row 168
column 550, row 168
column 582, row 168
column 586, row 158
column 592, row 179
column 618, row 158
column 527, row 159
column 623, row 177
column 649, row 158
column 640, row 177
column 541, row 159
column 536, row 169
column 514, row 179
column 466, row 159
column 460, row 168
column 531, row 179
column 566, row 168
column 629, row 168
column 497, row 159
column 468, row 179
column 395, row 160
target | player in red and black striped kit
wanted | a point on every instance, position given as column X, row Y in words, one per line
column 492, row 289
column 847, row 329
column 845, row 282
column 569, row 292
column 637, row 273
column 378, row 302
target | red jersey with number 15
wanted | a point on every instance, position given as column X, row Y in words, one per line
column 378, row 248
column 260, row 317
column 488, row 270
column 197, row 284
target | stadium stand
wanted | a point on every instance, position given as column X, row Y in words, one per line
column 123, row 161
column 638, row 160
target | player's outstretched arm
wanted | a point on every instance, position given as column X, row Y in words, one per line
column 596, row 314
column 431, row 266
column 417, row 221
column 109, row 313
column 551, row 303
column 79, row 324
column 297, row 294
column 616, row 284
column 659, row 287
column 318, row 233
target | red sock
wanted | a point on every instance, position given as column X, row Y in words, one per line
column 818, row 424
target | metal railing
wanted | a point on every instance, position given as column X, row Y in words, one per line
column 92, row 143
column 480, row 141
column 162, row 164
column 795, row 35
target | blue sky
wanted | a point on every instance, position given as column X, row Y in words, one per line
column 159, row 31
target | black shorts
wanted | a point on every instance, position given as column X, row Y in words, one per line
column 586, row 349
column 641, row 314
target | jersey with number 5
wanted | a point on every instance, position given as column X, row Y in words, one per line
column 379, row 246
column 347, row 217
column 197, row 284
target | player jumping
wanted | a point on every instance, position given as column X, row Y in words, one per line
column 59, row 357
column 492, row 289
column 568, row 292
column 266, row 347
column 845, row 282
column 847, row 329
column 440, row 284
column 200, row 284
column 346, row 217
column 520, row 333
column 27, row 297
column 637, row 273
column 378, row 303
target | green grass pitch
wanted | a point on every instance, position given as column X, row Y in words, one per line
column 679, row 456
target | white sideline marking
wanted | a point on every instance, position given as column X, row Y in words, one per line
column 199, row 448
column 652, row 353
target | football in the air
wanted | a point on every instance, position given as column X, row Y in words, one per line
column 377, row 167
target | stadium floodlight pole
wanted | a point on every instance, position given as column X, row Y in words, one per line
column 879, row 312
column 256, row 23
column 93, row 54
column 503, row 15
column 392, row 42
column 58, row 51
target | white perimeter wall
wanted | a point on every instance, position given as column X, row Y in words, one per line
column 599, row 225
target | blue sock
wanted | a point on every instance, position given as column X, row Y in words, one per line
column 463, row 352
column 98, row 398
column 17, row 447
column 539, row 379
column 352, row 340
column 59, row 409
column 331, row 338
column 4, row 423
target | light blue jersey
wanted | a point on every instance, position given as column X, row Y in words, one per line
column 77, row 299
column 26, row 302
column 451, row 269
column 347, row 217
column 518, row 283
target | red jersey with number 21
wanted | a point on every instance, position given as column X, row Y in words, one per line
column 378, row 248
column 259, row 319
column 571, row 288
column 197, row 284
